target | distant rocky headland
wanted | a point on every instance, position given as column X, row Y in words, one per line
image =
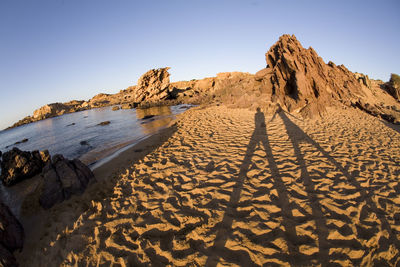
column 295, row 79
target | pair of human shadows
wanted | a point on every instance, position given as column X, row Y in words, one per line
column 295, row 257
column 259, row 137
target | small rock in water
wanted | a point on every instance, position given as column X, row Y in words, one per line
column 115, row 108
column 104, row 123
column 71, row 124
column 20, row 142
column 147, row 117
column 84, row 143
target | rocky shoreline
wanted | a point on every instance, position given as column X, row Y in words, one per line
column 296, row 82
column 295, row 78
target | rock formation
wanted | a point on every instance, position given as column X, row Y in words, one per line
column 53, row 110
column 57, row 109
column 299, row 80
column 393, row 86
column 17, row 165
column 152, row 86
column 295, row 79
column 63, row 178
column 11, row 236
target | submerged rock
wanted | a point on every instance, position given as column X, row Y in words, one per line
column 62, row 179
column 22, row 141
column 103, row 123
column 148, row 117
column 84, row 143
column 17, row 165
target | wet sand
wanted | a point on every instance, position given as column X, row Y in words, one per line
column 234, row 187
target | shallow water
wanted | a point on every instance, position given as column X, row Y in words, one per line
column 79, row 135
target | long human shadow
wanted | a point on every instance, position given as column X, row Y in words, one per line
column 296, row 134
column 259, row 136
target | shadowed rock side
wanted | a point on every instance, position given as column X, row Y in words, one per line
column 296, row 79
column 11, row 236
column 63, row 178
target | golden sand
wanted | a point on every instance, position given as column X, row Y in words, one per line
column 234, row 187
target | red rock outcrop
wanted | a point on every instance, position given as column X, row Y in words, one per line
column 152, row 86
column 299, row 80
column 295, row 79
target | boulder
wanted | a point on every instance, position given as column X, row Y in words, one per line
column 7, row 259
column 17, row 165
column 152, row 86
column 115, row 108
column 52, row 191
column 11, row 236
column 62, row 179
column 11, row 231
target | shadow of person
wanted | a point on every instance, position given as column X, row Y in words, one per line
column 260, row 139
column 298, row 136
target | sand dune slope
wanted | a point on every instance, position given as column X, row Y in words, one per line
column 234, row 187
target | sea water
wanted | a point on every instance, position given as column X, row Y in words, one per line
column 79, row 135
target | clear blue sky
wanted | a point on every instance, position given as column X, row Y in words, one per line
column 59, row 50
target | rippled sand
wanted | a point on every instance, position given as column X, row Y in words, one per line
column 235, row 187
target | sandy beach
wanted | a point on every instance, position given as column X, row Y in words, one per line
column 234, row 187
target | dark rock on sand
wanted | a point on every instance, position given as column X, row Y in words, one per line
column 18, row 165
column 103, row 123
column 63, row 178
column 11, row 231
column 11, row 236
column 7, row 259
